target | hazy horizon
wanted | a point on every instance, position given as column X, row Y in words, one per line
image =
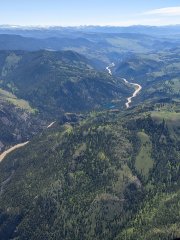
column 84, row 26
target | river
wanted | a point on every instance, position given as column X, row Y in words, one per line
column 108, row 68
column 137, row 86
column 129, row 100
column 138, row 89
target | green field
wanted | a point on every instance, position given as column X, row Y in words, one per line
column 11, row 98
column 144, row 162
column 172, row 120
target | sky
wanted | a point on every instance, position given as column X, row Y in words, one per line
column 89, row 12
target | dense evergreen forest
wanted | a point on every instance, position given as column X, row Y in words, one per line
column 88, row 180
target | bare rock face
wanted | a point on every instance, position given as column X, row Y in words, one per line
column 17, row 125
column 6, row 121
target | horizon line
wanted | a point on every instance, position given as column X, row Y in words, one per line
column 82, row 26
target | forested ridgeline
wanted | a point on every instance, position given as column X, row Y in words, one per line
column 112, row 175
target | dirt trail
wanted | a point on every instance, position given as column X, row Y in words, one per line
column 5, row 153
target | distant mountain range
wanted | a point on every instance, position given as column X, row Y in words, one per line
column 101, row 48
column 157, row 30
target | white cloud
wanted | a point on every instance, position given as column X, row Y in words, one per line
column 169, row 11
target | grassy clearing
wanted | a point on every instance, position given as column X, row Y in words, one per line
column 172, row 120
column 144, row 162
column 172, row 117
column 124, row 173
column 11, row 98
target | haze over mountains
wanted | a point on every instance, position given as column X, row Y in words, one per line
column 93, row 168
column 140, row 29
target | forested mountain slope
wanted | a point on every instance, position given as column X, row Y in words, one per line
column 57, row 82
column 18, row 121
column 111, row 176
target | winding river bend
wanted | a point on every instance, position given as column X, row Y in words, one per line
column 137, row 86
column 108, row 68
column 138, row 89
